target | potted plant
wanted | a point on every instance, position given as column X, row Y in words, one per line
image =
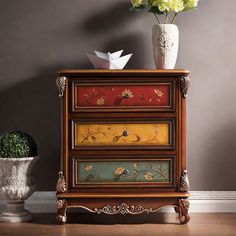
column 18, row 153
column 165, row 34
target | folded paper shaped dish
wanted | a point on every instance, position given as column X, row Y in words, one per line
column 109, row 60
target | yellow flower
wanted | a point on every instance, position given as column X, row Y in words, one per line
column 100, row 101
column 148, row 176
column 88, row 168
column 169, row 5
column 119, row 171
column 176, row 5
column 127, row 93
column 137, row 3
column 158, row 92
column 190, row 4
column 165, row 6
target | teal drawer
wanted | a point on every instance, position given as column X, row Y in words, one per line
column 126, row 172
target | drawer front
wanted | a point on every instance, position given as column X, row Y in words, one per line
column 123, row 96
column 156, row 134
column 146, row 172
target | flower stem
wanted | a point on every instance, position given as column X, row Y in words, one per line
column 166, row 18
column 173, row 20
column 157, row 18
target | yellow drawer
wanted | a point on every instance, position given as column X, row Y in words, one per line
column 158, row 134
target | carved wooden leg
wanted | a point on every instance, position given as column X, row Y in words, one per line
column 61, row 211
column 183, row 210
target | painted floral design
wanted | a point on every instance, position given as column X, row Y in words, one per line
column 127, row 93
column 119, row 171
column 119, row 95
column 148, row 176
column 100, row 101
column 113, row 134
column 88, row 168
column 144, row 171
column 158, row 92
column 135, row 165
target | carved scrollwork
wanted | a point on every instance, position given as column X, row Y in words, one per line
column 184, row 85
column 183, row 213
column 184, row 182
column 61, row 211
column 124, row 209
column 60, row 203
column 166, row 43
column 61, row 183
column 61, row 84
column 184, row 204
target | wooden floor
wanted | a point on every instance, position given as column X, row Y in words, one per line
column 145, row 225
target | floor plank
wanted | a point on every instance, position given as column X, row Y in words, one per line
column 221, row 224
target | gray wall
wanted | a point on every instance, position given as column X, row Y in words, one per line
column 37, row 38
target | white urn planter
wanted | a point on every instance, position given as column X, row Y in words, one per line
column 165, row 39
column 16, row 185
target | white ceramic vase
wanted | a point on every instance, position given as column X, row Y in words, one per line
column 16, row 185
column 165, row 39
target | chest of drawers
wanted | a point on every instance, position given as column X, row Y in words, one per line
column 123, row 141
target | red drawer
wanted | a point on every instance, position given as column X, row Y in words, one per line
column 158, row 96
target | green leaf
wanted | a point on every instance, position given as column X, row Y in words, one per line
column 155, row 10
column 17, row 144
column 139, row 9
column 189, row 8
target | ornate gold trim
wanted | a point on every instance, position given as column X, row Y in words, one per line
column 61, row 183
column 122, row 209
column 184, row 182
column 184, row 85
column 61, row 84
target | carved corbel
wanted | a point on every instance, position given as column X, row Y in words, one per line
column 61, row 84
column 61, row 183
column 184, row 182
column 184, row 86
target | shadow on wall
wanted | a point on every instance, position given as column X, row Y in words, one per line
column 130, row 44
column 33, row 105
column 110, row 22
column 217, row 159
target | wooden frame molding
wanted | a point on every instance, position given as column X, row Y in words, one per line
column 112, row 184
column 76, row 108
column 171, row 128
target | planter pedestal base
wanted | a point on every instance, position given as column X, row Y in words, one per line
column 15, row 212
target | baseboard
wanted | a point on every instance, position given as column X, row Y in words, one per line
column 200, row 201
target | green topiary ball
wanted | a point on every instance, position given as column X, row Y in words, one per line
column 17, row 144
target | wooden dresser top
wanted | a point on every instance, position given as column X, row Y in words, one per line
column 128, row 72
